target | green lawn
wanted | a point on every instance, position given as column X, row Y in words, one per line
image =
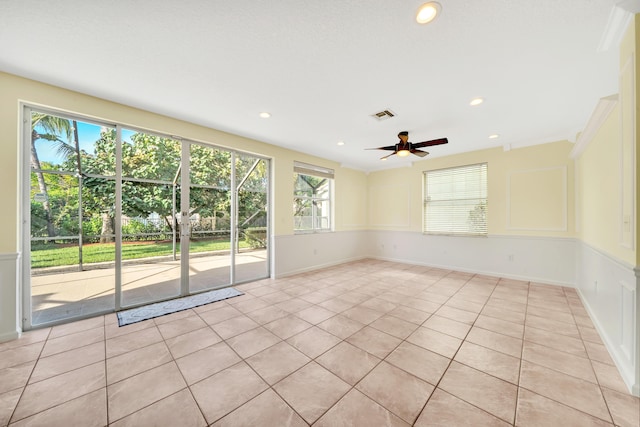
column 56, row 255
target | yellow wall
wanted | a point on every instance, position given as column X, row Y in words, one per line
column 599, row 192
column 13, row 90
column 350, row 200
column 530, row 191
column 607, row 189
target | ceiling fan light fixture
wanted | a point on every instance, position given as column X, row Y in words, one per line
column 428, row 12
column 403, row 153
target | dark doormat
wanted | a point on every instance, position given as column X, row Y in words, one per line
column 158, row 309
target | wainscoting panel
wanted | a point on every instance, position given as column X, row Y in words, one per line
column 609, row 291
column 305, row 252
column 541, row 259
column 9, row 297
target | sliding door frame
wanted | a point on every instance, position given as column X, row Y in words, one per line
column 25, row 293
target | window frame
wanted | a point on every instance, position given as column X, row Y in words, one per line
column 482, row 196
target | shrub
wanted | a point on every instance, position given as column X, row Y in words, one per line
column 256, row 237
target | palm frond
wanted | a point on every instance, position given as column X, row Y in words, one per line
column 65, row 150
column 52, row 125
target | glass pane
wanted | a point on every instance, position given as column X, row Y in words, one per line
column 253, row 184
column 147, row 156
column 210, row 218
column 302, row 214
column 322, row 190
column 70, row 276
column 210, row 166
column 151, row 265
column 52, row 143
column 98, row 157
column 322, row 211
column 71, row 145
column 308, row 185
column 54, row 205
column 99, row 203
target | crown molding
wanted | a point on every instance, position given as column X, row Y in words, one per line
column 619, row 19
column 600, row 114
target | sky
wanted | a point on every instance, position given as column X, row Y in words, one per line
column 88, row 134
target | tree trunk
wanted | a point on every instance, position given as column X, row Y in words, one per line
column 106, row 235
column 35, row 163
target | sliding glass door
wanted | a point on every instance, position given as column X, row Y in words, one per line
column 209, row 217
column 69, row 194
column 150, row 172
column 251, row 218
column 121, row 217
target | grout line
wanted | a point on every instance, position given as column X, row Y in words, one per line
column 524, row 329
column 30, row 374
column 595, row 375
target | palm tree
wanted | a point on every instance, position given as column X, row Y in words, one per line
column 44, row 126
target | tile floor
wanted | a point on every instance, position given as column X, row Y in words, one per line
column 367, row 343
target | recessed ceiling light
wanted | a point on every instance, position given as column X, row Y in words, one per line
column 340, row 142
column 494, row 136
column 428, row 12
column 476, row 101
column 265, row 115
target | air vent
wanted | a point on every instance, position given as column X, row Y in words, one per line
column 383, row 115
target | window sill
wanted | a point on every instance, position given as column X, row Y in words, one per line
column 312, row 231
column 455, row 234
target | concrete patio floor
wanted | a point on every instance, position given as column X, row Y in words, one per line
column 68, row 294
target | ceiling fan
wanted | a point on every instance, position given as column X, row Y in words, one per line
column 403, row 148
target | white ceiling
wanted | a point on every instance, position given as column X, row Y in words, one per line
column 321, row 68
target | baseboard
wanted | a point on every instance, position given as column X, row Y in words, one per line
column 10, row 336
column 319, row 266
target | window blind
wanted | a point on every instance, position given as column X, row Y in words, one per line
column 455, row 200
column 306, row 169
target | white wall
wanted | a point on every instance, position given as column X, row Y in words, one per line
column 539, row 259
column 304, row 252
column 550, row 260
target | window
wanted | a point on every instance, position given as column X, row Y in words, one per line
column 311, row 197
column 455, row 200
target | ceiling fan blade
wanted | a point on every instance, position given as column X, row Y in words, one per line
column 388, row 155
column 419, row 153
column 388, row 147
column 430, row 143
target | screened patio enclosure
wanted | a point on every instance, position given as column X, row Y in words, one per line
column 120, row 217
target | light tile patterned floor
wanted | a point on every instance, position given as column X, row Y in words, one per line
column 367, row 343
